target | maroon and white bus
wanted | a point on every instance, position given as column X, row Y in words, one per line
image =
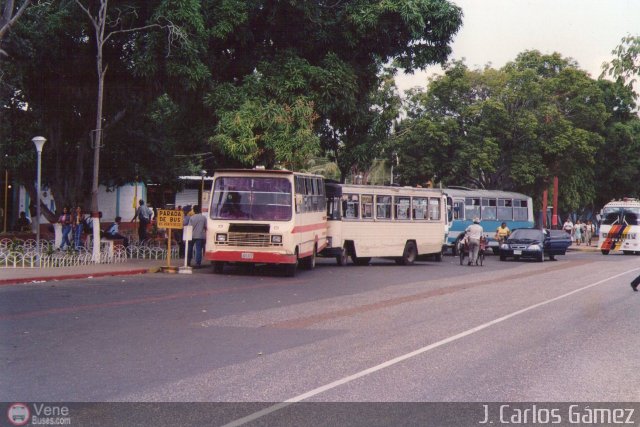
column 266, row 217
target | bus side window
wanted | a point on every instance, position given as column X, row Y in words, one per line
column 458, row 210
column 505, row 209
column 402, row 208
column 367, row 206
column 434, row 208
column 350, row 206
column 472, row 207
column 520, row 210
column 419, row 208
column 383, row 207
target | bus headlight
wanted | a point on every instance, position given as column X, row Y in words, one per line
column 221, row 237
column 276, row 239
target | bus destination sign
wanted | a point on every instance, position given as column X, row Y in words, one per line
column 169, row 218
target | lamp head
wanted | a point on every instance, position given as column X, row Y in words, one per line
column 39, row 142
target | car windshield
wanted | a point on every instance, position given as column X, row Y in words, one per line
column 526, row 234
column 252, row 198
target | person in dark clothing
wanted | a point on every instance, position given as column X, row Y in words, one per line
column 143, row 214
column 634, row 284
column 23, row 223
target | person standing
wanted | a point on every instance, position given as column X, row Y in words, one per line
column 77, row 225
column 577, row 232
column 474, row 234
column 65, row 221
column 143, row 214
column 198, row 222
column 591, row 229
column 568, row 227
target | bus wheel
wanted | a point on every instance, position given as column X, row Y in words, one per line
column 410, row 253
column 438, row 257
column 605, row 252
column 309, row 263
column 218, row 267
column 361, row 261
column 342, row 258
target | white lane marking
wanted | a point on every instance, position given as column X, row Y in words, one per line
column 345, row 380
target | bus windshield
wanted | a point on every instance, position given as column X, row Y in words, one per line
column 622, row 216
column 252, row 198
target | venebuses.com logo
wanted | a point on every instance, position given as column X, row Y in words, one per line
column 18, row 414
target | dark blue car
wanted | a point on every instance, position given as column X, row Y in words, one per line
column 535, row 243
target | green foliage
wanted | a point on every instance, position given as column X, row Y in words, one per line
column 625, row 67
column 515, row 128
column 269, row 134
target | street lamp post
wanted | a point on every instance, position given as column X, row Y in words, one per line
column 203, row 173
column 6, row 192
column 39, row 143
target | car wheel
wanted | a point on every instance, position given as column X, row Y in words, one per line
column 541, row 257
column 503, row 258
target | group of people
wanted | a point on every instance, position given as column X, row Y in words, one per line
column 75, row 223
column 581, row 232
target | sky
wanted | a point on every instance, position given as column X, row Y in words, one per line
column 496, row 31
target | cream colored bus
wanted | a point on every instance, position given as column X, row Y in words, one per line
column 266, row 217
column 401, row 223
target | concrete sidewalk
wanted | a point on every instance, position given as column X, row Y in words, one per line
column 11, row 276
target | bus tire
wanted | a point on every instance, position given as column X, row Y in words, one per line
column 309, row 263
column 341, row 259
column 605, row 252
column 410, row 253
column 291, row 269
column 438, row 256
column 218, row 267
column 361, row 261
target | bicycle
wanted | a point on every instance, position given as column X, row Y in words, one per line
column 463, row 250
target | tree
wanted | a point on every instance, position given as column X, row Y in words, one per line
column 625, row 67
column 11, row 12
column 515, row 128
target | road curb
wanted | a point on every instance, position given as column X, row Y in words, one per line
column 24, row 280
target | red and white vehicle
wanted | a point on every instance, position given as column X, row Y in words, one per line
column 266, row 217
column 620, row 227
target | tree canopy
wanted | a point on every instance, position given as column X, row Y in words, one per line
column 235, row 83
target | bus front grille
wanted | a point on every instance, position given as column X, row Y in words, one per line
column 250, row 239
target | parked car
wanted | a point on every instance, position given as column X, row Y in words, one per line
column 535, row 243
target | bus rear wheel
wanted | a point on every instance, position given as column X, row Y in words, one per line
column 410, row 253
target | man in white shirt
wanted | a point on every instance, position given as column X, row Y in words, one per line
column 473, row 234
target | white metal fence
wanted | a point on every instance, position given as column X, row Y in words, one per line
column 18, row 253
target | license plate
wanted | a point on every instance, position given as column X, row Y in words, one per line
column 247, row 255
column 517, row 252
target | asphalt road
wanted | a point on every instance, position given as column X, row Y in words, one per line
column 432, row 332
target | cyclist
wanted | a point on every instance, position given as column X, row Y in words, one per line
column 502, row 233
